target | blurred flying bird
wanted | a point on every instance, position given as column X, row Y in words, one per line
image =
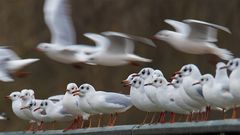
column 63, row 46
column 194, row 37
column 10, row 63
column 117, row 49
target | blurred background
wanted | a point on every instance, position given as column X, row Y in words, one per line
column 22, row 27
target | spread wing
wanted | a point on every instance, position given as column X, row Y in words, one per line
column 124, row 43
column 4, row 73
column 204, row 31
column 58, row 20
column 9, row 54
column 178, row 26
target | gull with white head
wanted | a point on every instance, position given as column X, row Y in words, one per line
column 63, row 46
column 107, row 102
column 194, row 37
column 117, row 49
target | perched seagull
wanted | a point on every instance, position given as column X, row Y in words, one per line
column 107, row 102
column 215, row 93
column 71, row 105
column 179, row 96
column 85, row 106
column 117, row 49
column 178, row 84
column 3, row 116
column 39, row 114
column 165, row 96
column 191, row 74
column 27, row 95
column 10, row 63
column 55, row 110
column 139, row 97
column 16, row 104
column 63, row 46
column 234, row 85
column 194, row 37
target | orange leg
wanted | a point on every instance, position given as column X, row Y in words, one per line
column 72, row 125
column 110, row 120
column 162, row 117
column 145, row 119
column 31, row 127
column 99, row 120
column 234, row 113
column 114, row 119
column 153, row 118
column 172, row 117
column 90, row 122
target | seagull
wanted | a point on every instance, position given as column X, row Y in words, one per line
column 234, row 86
column 63, row 47
column 117, row 49
column 178, row 84
column 71, row 105
column 192, row 74
column 39, row 114
column 194, row 37
column 216, row 94
column 165, row 96
column 16, row 104
column 85, row 106
column 139, row 97
column 179, row 96
column 11, row 64
column 107, row 102
column 27, row 95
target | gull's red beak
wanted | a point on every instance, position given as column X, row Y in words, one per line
column 26, row 107
column 178, row 72
column 7, row 97
column 196, row 83
column 36, row 109
column 224, row 67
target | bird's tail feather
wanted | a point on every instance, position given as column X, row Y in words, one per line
column 223, row 53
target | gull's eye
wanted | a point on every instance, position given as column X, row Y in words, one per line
column 185, row 70
column 190, row 69
column 46, row 104
column 82, row 87
column 180, row 76
column 202, row 80
column 26, row 94
column 139, row 82
column 206, row 79
column 177, row 81
column 14, row 95
column 155, row 81
column 35, row 104
column 41, row 104
column 72, row 88
column 143, row 72
column 87, row 88
column 160, row 81
column 134, row 81
column 231, row 63
column 237, row 64
column 30, row 104
column 148, row 73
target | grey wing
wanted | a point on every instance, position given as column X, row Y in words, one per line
column 9, row 54
column 4, row 73
column 178, row 26
column 63, row 112
column 203, row 31
column 56, row 98
column 125, row 42
column 5, row 77
column 118, row 99
column 57, row 17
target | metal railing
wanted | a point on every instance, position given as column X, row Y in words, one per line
column 216, row 126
